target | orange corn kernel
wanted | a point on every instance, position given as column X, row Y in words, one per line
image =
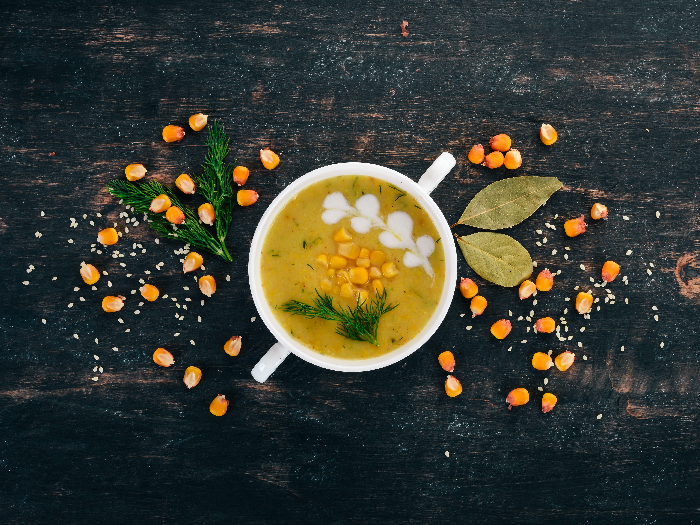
column 564, row 360
column 192, row 376
column 246, row 197
column 269, row 158
column 240, row 175
column 542, row 361
column 185, row 184
column 500, row 329
column 233, row 345
column 160, row 204
column 468, row 288
column 207, row 285
column 149, row 292
column 527, row 288
column 610, row 271
column 476, row 154
column 135, row 172
column 192, row 262
column 517, row 397
column 548, row 402
column 478, row 305
column 574, row 227
column 500, row 143
column 452, row 386
column 494, row 160
column 513, row 160
column 113, row 303
column 447, row 361
column 219, row 406
column 163, row 358
column 198, row 121
column 546, row 325
column 108, row 236
column 175, row 215
column 358, row 275
column 173, row 133
column 544, row 281
column 206, row 213
column 584, row 302
column 599, row 211
column 548, row 135
column 89, row 273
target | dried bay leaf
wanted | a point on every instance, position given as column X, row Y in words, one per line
column 508, row 202
column 496, row 257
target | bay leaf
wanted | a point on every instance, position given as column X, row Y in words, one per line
column 508, row 202
column 497, row 257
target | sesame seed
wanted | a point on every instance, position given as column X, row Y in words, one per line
column 95, row 378
column 656, row 318
column 534, row 264
column 252, row 319
column 625, row 217
column 654, row 308
column 199, row 318
column 592, row 280
column 567, row 298
column 629, row 252
column 192, row 342
column 25, row 283
column 101, row 370
column 468, row 327
column 600, row 416
column 128, row 330
column 37, row 234
column 523, row 341
column 648, row 271
column 202, row 302
column 570, row 337
column 585, row 358
column 580, row 344
column 566, row 256
column 137, row 312
column 651, row 264
column 94, row 369
column 510, row 314
column 534, row 303
column 538, row 232
column 157, row 241
column 583, row 328
column 510, row 348
column 528, row 319
column 76, row 336
column 43, row 321
column 658, row 215
column 583, row 267
column 544, row 240
column 546, row 380
column 70, row 305
column 540, row 388
column 121, row 321
column 566, row 311
column 520, row 318
column 662, row 344
column 528, row 329
column 538, row 243
column 554, row 252
column 42, row 213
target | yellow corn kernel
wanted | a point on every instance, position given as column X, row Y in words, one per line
column 89, row 273
column 108, row 236
column 500, row 329
column 377, row 258
column 364, row 263
column 447, row 361
column 546, row 325
column 362, row 295
column 599, row 211
column 548, row 402
column 494, row 160
column 468, row 288
column 610, row 271
column 347, row 290
column 548, row 135
column 452, row 386
column 206, row 213
column 544, row 281
column 542, row 361
column 338, row 262
column 174, row 215
column 192, row 376
column 197, row 121
column 185, row 184
column 574, row 227
column 350, row 250
column 330, row 272
column 378, row 287
column 513, row 160
column 476, row 154
column 500, row 143
column 322, row 260
column 233, row 346
column 113, row 303
column 358, row 275
column 219, row 406
column 207, row 285
column 584, row 302
column 342, row 276
column 135, row 172
column 246, row 197
column 375, row 273
column 326, row 285
column 160, row 203
column 173, row 133
column 149, row 292
column 240, row 175
column 342, row 235
column 364, row 253
column 163, row 358
column 269, row 158
column 192, row 262
column 478, row 305
column 517, row 397
column 389, row 270
column 527, row 288
column 564, row 360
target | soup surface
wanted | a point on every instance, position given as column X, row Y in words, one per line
column 348, row 237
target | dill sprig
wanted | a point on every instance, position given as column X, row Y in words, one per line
column 359, row 323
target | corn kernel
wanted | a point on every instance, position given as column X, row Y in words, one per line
column 149, row 292
column 468, row 288
column 219, row 406
column 494, row 160
column 364, row 253
column 192, row 262
column 447, row 361
column 269, row 158
column 197, row 121
column 185, row 184
column 163, row 358
column 207, row 285
column 544, row 281
column 584, row 302
column 610, row 271
column 476, row 154
column 246, row 197
column 135, row 172
column 362, row 295
column 322, row 260
column 160, row 204
column 500, row 329
column 338, row 262
column 342, row 235
column 377, row 258
column 192, row 376
column 478, row 305
column 174, row 215
column 378, row 287
column 350, row 250
column 240, row 175
column 206, row 213
column 548, row 135
column 113, row 303
column 599, row 211
column 452, row 386
column 330, row 272
column 233, row 346
column 364, row 263
column 546, row 325
column 574, row 227
column 548, row 402
column 389, row 270
column 326, row 285
column 375, row 273
column 513, row 160
column 89, row 273
column 564, row 360
column 527, row 288
column 347, row 290
column 108, row 236
column 542, row 361
column 341, row 277
column 173, row 133
column 500, row 143
column 517, row 397
column 358, row 275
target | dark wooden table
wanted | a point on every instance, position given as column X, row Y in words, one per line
column 87, row 88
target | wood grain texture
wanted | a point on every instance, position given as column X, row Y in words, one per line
column 95, row 82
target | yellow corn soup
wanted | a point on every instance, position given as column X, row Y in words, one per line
column 304, row 250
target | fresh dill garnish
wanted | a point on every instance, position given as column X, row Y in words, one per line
column 359, row 323
column 303, row 244
column 402, row 193
column 307, row 264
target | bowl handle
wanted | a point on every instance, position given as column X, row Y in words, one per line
column 269, row 362
column 437, row 171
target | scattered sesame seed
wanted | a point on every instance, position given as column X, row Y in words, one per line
column 43, row 321
column 25, row 283
column 629, row 252
column 523, row 341
column 95, row 378
column 566, row 311
column 101, row 370
column 137, row 312
column 656, row 318
column 70, row 305
column 192, row 342
column 570, row 337
column 625, row 217
column 583, row 267
column 600, row 416
column 510, row 348
column 580, row 344
column 42, row 213
column 648, row 271
column 583, row 328
column 662, row 344
column 252, row 319
column 658, row 215
column 566, row 256
column 76, row 336
column 37, row 234
column 94, row 369
column 546, row 380
column 461, row 315
column 528, row 319
column 510, row 314
column 157, row 241
column 202, row 299
column 534, row 303
column 567, row 298
column 651, row 264
column 538, row 232
column 538, row 243
column 199, row 318
column 534, row 264
column 585, row 358
column 121, row 321
column 544, row 240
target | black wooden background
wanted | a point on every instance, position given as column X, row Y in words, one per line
column 86, row 88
